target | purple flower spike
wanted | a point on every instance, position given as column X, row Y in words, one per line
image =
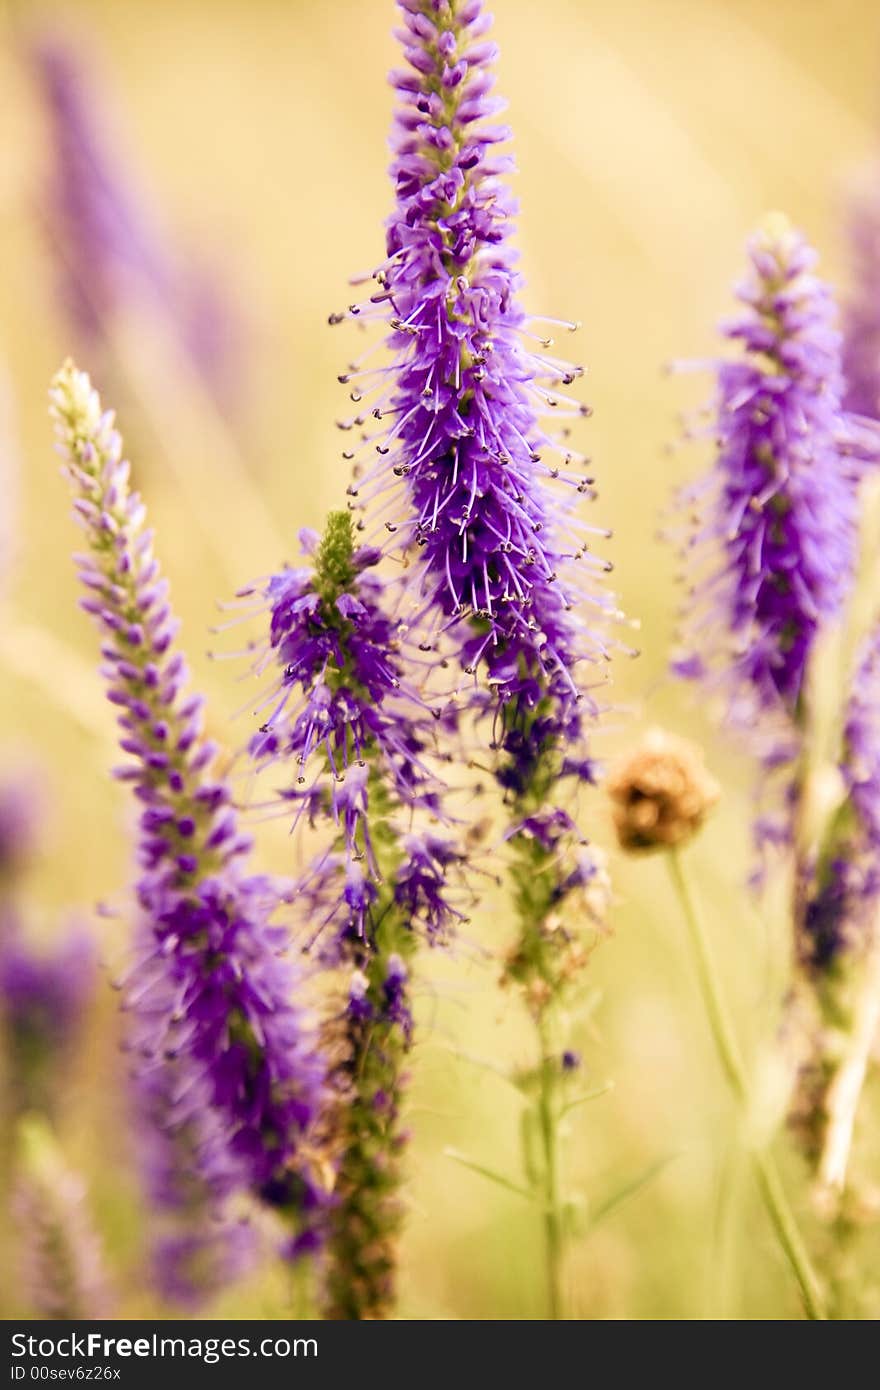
column 776, row 538
column 478, row 501
column 500, row 564
column 211, row 993
column 112, row 256
column 771, row 557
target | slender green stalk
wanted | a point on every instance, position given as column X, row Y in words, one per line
column 769, row 1182
column 546, row 964
column 548, row 1122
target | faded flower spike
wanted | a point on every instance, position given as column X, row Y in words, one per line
column 211, row 993
column 839, row 888
column 499, row 561
column 660, row 793
column 111, row 256
column 62, row 1263
column 44, row 997
column 861, row 313
column 770, row 557
column 22, row 812
column 197, row 1245
column 837, row 916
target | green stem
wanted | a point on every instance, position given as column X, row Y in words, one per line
column 769, row 1180
column 553, row 1222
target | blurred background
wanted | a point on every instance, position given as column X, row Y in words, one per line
column 250, row 142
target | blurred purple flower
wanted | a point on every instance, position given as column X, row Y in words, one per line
column 211, row 990
column 44, row 996
column 110, row 252
column 197, row 1246
column 191, row 1264
column 840, row 892
column 772, row 557
column 500, row 565
column 861, row 312
column 22, row 816
column 861, row 763
column 832, row 915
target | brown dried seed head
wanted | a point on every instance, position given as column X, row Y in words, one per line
column 661, row 792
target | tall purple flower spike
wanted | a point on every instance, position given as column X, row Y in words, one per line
column 500, row 565
column 211, row 992
column 500, row 587
column 110, row 252
column 770, row 557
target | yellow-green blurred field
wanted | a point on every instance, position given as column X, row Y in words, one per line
column 651, row 135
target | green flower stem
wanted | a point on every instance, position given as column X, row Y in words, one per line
column 548, row 1127
column 769, row 1181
